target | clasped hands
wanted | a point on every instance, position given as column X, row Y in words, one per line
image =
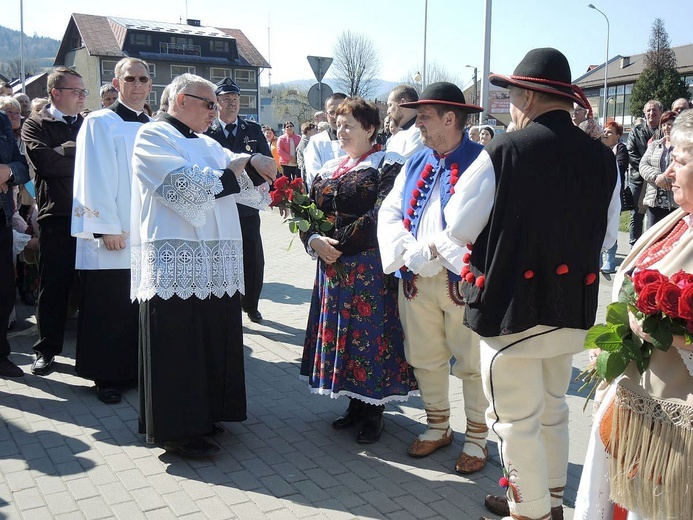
column 420, row 259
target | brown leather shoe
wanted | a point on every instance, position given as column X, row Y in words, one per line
column 497, row 505
column 467, row 464
column 419, row 448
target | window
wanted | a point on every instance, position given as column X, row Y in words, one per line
column 177, row 70
column 245, row 76
column 108, row 67
column 141, row 39
column 152, row 69
column 152, row 99
column 219, row 46
column 180, row 40
column 216, row 74
column 248, row 101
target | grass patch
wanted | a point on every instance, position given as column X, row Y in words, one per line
column 624, row 222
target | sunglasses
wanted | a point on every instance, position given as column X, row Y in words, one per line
column 211, row 105
column 81, row 92
column 131, row 79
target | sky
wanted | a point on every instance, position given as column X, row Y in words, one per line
column 286, row 32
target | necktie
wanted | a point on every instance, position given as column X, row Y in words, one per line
column 69, row 120
column 230, row 128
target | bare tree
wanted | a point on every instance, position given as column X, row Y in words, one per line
column 434, row 72
column 356, row 64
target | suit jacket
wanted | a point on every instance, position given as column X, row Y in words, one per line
column 249, row 139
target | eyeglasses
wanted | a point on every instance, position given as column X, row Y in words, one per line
column 81, row 92
column 131, row 79
column 211, row 105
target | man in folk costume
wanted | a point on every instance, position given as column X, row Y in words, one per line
column 412, row 243
column 107, row 326
column 531, row 283
column 187, row 271
column 242, row 136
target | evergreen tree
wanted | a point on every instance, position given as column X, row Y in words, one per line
column 659, row 79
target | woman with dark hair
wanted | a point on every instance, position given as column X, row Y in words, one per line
column 653, row 165
column 354, row 341
column 611, row 137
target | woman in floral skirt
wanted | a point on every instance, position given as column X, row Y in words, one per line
column 354, row 341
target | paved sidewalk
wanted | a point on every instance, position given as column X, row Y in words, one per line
column 65, row 455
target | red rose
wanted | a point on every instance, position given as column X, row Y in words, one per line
column 682, row 279
column 646, row 277
column 361, row 268
column 647, row 299
column 364, row 308
column 327, row 335
column 281, row 183
column 277, row 198
column 686, row 303
column 297, row 184
column 360, row 373
column 668, row 299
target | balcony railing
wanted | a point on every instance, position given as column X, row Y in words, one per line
column 177, row 48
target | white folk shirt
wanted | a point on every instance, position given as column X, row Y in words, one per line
column 406, row 142
column 101, row 194
column 184, row 241
column 319, row 150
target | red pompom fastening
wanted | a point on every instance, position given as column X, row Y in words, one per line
column 470, row 247
column 407, row 223
column 452, row 190
column 455, row 166
column 480, row 282
column 469, row 277
column 466, row 257
column 410, row 212
column 413, row 202
column 420, row 183
column 529, row 274
column 503, row 482
column 416, row 193
column 454, row 179
column 590, row 278
column 562, row 269
column 465, row 271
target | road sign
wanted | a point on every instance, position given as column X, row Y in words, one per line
column 318, row 94
column 319, row 66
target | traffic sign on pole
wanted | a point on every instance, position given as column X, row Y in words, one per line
column 318, row 94
column 319, row 66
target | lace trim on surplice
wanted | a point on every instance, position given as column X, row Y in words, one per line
column 190, row 193
column 186, row 268
column 256, row 197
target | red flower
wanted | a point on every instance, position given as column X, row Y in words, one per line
column 360, row 373
column 361, row 268
column 682, row 279
column 327, row 335
column 668, row 299
column 364, row 308
column 647, row 299
column 297, row 184
column 686, row 303
column 281, row 183
column 277, row 197
column 357, row 334
column 646, row 277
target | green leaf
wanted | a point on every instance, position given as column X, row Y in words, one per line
column 662, row 338
column 593, row 333
column 610, row 340
column 325, row 226
column 627, row 292
column 623, row 330
column 303, row 225
column 610, row 365
column 632, row 349
column 651, row 323
column 293, row 226
column 617, row 313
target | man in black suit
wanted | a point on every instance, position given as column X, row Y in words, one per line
column 242, row 136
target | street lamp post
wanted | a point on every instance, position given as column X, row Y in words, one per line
column 475, row 102
column 606, row 61
column 423, row 80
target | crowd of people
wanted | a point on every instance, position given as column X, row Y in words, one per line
column 437, row 260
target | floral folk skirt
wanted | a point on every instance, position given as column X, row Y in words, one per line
column 354, row 340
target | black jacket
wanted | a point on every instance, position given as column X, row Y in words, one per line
column 249, row 139
column 638, row 140
column 50, row 152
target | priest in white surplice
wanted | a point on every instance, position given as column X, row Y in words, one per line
column 107, row 326
column 187, row 271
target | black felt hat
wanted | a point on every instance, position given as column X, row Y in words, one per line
column 543, row 70
column 227, row 86
column 443, row 93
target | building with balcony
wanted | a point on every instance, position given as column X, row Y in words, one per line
column 93, row 45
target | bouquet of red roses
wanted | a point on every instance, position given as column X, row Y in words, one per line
column 303, row 214
column 663, row 304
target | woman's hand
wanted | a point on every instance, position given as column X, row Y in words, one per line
column 636, row 327
column 662, row 182
column 593, row 354
column 324, row 247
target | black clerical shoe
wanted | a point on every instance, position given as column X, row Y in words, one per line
column 254, row 316
column 197, row 448
column 43, row 365
column 108, row 395
column 9, row 369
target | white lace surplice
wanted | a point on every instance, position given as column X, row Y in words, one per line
column 184, row 241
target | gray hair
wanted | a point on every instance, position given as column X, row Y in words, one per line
column 654, row 102
column 106, row 88
column 165, row 98
column 682, row 131
column 185, row 82
column 9, row 101
column 118, row 70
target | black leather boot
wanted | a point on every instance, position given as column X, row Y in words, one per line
column 352, row 415
column 373, row 423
